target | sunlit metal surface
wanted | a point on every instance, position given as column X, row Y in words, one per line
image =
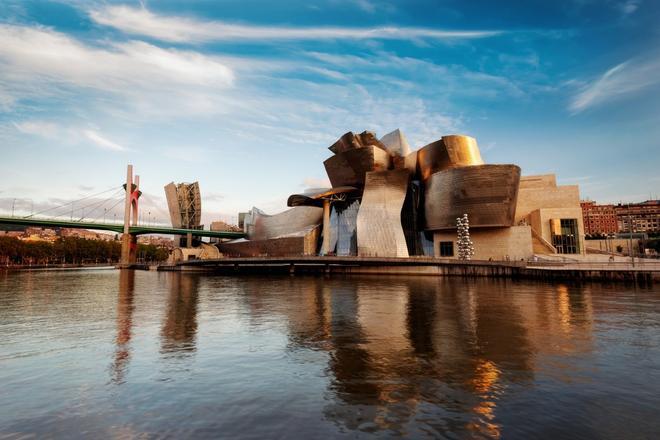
column 348, row 168
column 351, row 141
column 261, row 226
column 486, row 193
column 379, row 231
column 410, row 163
column 448, row 152
column 396, row 144
column 315, row 197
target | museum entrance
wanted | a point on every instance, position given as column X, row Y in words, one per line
column 565, row 235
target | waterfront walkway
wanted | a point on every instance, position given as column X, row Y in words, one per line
column 642, row 270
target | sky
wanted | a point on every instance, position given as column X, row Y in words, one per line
column 246, row 96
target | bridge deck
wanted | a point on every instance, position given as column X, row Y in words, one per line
column 114, row 227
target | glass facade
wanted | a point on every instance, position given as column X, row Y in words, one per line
column 446, row 248
column 565, row 237
column 346, row 228
column 343, row 225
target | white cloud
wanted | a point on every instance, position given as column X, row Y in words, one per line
column 140, row 21
column 102, row 142
column 38, row 128
column 66, row 135
column 40, row 63
column 629, row 6
column 621, row 80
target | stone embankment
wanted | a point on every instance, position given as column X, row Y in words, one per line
column 642, row 271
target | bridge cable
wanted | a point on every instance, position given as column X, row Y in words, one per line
column 113, row 206
column 114, row 188
column 96, row 205
column 95, row 202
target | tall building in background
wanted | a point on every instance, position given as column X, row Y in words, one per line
column 185, row 205
column 644, row 216
column 598, row 219
column 612, row 219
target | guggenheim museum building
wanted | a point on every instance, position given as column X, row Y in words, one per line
column 388, row 200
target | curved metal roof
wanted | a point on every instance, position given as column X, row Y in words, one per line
column 316, row 197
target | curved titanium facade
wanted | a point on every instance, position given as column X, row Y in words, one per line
column 348, row 168
column 448, row 152
column 379, row 231
column 260, row 226
column 315, row 197
column 486, row 193
column 350, row 141
column 396, row 144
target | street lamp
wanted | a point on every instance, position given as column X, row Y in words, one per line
column 13, row 203
column 630, row 232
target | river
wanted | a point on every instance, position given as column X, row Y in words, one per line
column 126, row 354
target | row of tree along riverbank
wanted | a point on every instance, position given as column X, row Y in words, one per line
column 70, row 250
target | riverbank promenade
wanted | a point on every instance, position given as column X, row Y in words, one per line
column 643, row 270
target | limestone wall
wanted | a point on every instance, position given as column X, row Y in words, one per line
column 495, row 243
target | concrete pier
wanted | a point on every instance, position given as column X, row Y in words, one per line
column 646, row 272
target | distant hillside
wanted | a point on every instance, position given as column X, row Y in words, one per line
column 12, row 227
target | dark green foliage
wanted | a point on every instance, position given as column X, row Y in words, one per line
column 653, row 244
column 71, row 250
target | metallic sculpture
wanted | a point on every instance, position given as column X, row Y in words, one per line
column 185, row 205
column 465, row 245
column 379, row 231
column 487, row 193
column 448, row 152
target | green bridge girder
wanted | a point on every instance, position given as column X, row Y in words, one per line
column 118, row 228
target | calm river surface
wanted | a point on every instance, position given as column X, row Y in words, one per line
column 101, row 354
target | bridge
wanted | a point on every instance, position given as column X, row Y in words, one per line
column 129, row 229
column 115, row 227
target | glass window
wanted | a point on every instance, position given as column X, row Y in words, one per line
column 566, row 242
column 446, row 248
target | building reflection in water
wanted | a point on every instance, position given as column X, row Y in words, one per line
column 125, row 308
column 179, row 329
column 439, row 351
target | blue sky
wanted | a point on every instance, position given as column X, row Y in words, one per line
column 245, row 97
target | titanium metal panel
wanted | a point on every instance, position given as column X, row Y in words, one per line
column 396, row 143
column 349, row 167
column 379, row 231
column 261, row 226
column 351, row 141
column 486, row 193
column 448, row 152
column 315, row 197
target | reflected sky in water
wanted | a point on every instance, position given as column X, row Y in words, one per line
column 128, row 354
